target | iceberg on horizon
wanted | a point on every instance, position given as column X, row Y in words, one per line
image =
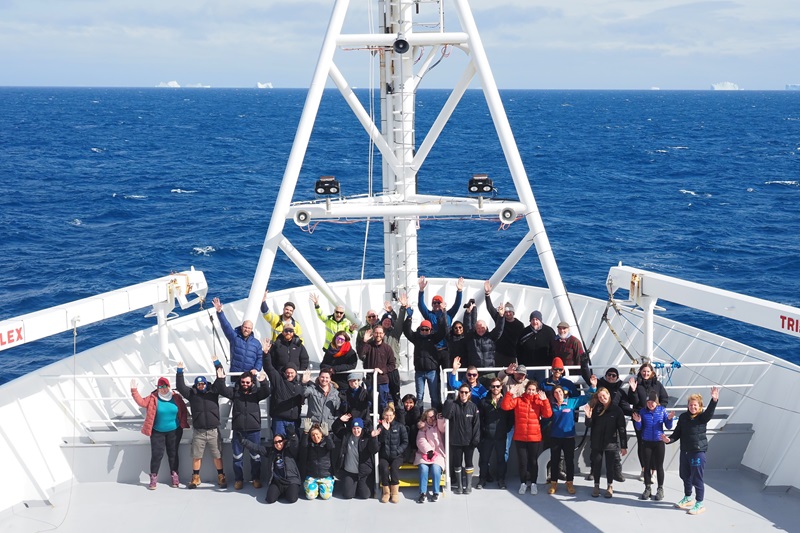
column 172, row 84
column 266, row 85
column 724, row 86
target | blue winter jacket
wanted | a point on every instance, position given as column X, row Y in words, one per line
column 651, row 424
column 562, row 423
column 245, row 352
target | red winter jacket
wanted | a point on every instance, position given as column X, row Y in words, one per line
column 527, row 411
column 151, row 404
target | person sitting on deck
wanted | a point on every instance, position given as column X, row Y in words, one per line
column 357, row 401
column 245, row 348
column 316, row 464
column 439, row 312
column 410, row 415
column 204, row 404
column 506, row 343
column 430, row 456
column 277, row 321
column 333, row 323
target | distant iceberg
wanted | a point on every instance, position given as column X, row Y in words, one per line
column 198, row 86
column 172, row 84
column 793, row 86
column 724, row 86
column 267, row 85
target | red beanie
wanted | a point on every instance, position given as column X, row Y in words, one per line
column 426, row 324
column 557, row 362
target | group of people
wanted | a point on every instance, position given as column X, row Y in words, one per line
column 336, row 440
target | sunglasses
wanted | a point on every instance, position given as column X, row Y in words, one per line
column 495, row 386
column 463, row 392
column 163, row 387
column 372, row 316
column 424, row 329
column 472, row 374
column 277, row 441
column 288, row 331
column 338, row 312
column 612, row 376
column 339, row 339
column 558, row 370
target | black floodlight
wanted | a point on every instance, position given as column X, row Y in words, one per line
column 327, row 186
column 480, row 184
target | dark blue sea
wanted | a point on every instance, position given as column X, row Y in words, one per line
column 104, row 188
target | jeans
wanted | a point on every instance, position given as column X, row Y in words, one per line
column 279, row 426
column 384, row 396
column 432, row 377
column 436, row 472
column 238, row 454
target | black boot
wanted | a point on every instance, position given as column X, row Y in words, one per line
column 457, row 482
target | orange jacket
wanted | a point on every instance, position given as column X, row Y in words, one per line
column 527, row 411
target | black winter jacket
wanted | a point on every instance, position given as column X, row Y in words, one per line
column 495, row 422
column 367, row 447
column 533, row 347
column 283, row 353
column 287, row 396
column 608, row 429
column 426, row 356
column 203, row 405
column 315, row 459
column 465, row 424
column 393, row 441
column 246, row 408
column 288, row 455
column 638, row 398
column 507, row 343
column 692, row 431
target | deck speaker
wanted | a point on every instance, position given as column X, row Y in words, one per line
column 302, row 218
column 401, row 46
column 508, row 215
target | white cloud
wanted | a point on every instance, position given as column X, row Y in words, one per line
column 546, row 43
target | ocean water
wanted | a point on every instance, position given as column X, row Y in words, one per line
column 103, row 188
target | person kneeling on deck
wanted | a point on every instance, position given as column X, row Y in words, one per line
column 246, row 420
column 283, row 475
column 204, row 404
column 354, row 465
column 316, row 464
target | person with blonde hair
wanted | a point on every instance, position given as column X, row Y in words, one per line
column 691, row 431
column 393, row 438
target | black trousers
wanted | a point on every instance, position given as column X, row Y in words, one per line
column 557, row 446
column 528, row 459
column 597, row 464
column 161, row 442
column 389, row 471
column 354, row 485
column 459, row 454
column 289, row 492
column 653, row 460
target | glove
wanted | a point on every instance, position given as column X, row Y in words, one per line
column 430, row 455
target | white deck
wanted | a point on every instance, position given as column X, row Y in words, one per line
column 733, row 498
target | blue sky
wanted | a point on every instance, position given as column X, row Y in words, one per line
column 532, row 44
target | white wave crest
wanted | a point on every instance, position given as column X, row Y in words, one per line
column 135, row 197
column 203, row 250
column 97, row 150
column 76, row 222
column 750, row 189
column 788, row 183
column 678, row 147
column 181, row 191
column 693, row 193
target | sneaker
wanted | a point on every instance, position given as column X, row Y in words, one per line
column 522, row 488
column 257, row 484
column 238, row 484
column 609, row 492
column 534, row 490
column 659, row 494
column 153, row 481
column 619, row 477
column 570, row 487
column 646, row 494
column 685, row 503
column 502, row 484
column 221, row 481
column 194, row 482
column 479, row 486
column 698, row 508
column 175, row 480
column 553, row 487
column 596, row 491
column 421, row 498
column 434, row 497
